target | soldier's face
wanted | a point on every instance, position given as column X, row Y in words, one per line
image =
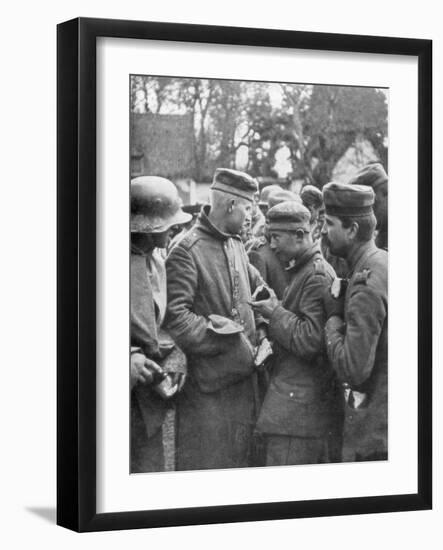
column 381, row 204
column 335, row 236
column 318, row 225
column 239, row 211
column 161, row 240
column 245, row 233
column 284, row 244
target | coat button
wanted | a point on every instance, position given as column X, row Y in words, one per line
column 291, row 394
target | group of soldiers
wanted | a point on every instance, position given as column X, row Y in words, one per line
column 262, row 324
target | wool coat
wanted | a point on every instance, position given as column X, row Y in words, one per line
column 302, row 399
column 270, row 267
column 209, row 282
column 358, row 349
column 148, row 410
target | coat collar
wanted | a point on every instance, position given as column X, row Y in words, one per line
column 307, row 255
column 205, row 224
column 139, row 252
column 362, row 251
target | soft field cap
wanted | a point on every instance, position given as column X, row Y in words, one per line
column 289, row 216
column 235, row 183
column 372, row 174
column 342, row 199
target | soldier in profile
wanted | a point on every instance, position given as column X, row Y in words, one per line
column 301, row 414
column 374, row 175
column 157, row 368
column 210, row 283
column 357, row 325
column 260, row 250
column 312, row 198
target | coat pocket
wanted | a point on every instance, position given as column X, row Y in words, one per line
column 296, row 410
column 234, row 363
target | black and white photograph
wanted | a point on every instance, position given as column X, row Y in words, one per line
column 258, row 274
column 208, row 210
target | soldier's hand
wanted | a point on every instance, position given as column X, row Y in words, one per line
column 143, row 369
column 333, row 306
column 266, row 307
column 177, row 379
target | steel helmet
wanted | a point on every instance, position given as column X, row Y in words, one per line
column 155, row 205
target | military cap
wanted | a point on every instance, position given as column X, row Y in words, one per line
column 155, row 205
column 281, row 195
column 311, row 196
column 265, row 192
column 235, row 183
column 223, row 325
column 289, row 216
column 373, row 174
column 342, row 199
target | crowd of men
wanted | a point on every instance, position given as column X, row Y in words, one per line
column 262, row 323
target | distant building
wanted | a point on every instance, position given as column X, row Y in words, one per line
column 162, row 145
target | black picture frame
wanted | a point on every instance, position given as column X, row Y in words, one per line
column 76, row 294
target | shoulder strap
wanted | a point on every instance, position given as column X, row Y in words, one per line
column 189, row 240
column 319, row 266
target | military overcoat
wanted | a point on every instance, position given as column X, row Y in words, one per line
column 209, row 277
column 358, row 350
column 148, row 410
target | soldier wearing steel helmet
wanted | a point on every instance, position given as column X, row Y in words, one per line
column 157, row 367
column 357, row 326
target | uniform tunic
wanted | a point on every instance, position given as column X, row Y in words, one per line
column 148, row 410
column 382, row 238
column 209, row 273
column 302, row 401
column 358, row 350
column 339, row 265
column 270, row 267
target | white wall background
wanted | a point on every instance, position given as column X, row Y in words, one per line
column 27, row 299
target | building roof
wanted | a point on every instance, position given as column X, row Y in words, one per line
column 164, row 142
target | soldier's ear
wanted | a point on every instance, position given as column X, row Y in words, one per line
column 300, row 234
column 353, row 230
column 231, row 206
